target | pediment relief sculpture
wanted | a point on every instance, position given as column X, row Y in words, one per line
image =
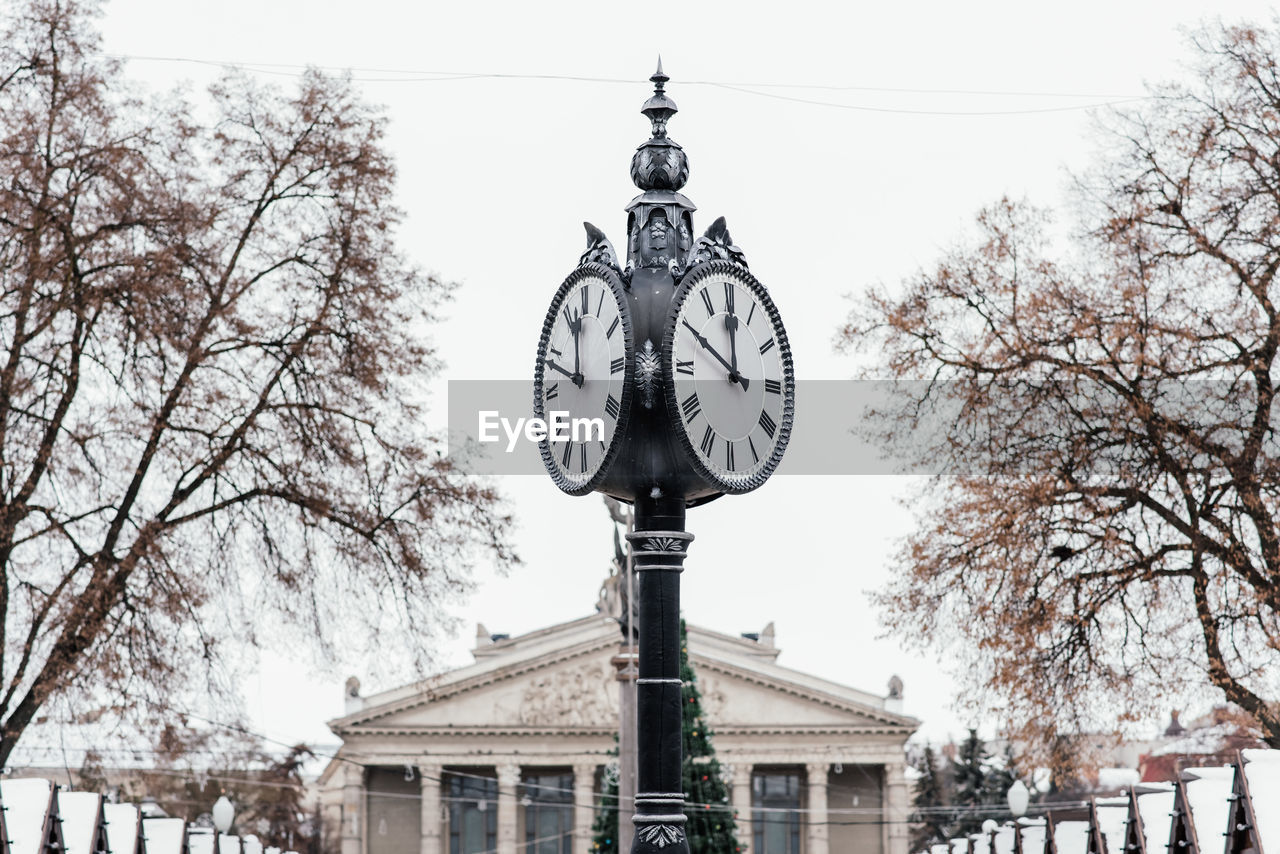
column 577, row 696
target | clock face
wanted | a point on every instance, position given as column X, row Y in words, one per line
column 582, row 381
column 729, row 377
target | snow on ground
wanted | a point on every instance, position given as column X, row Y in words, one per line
column 26, row 804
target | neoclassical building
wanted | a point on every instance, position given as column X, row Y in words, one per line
column 508, row 754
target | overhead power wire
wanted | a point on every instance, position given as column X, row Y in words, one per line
column 393, row 75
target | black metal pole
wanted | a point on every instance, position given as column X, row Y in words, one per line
column 660, row 543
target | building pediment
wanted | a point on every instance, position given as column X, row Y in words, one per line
column 562, row 679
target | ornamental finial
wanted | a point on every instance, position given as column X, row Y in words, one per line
column 659, row 164
column 660, row 107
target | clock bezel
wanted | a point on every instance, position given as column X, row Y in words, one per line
column 614, row 281
column 743, row 277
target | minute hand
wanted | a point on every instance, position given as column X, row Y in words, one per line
column 706, row 345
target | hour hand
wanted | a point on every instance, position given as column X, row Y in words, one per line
column 734, row 376
column 553, row 366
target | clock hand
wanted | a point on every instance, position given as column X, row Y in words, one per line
column 553, row 366
column 576, row 328
column 734, row 376
column 731, row 323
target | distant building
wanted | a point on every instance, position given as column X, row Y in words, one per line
column 512, row 749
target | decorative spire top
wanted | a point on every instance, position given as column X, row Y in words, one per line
column 659, row 164
column 659, row 108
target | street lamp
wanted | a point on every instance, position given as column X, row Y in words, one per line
column 1018, row 798
column 223, row 815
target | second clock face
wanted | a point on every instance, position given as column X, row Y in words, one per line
column 729, row 376
column 583, row 377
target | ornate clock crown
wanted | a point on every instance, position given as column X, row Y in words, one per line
column 660, row 163
column 660, row 220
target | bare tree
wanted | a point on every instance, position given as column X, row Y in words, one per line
column 1104, row 543
column 212, row 357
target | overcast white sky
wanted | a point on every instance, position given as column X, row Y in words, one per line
column 497, row 173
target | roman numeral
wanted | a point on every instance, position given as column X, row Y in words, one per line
column 752, row 312
column 616, row 365
column 768, row 424
column 766, row 346
column 691, row 407
column 584, row 457
column 568, row 454
column 684, row 367
column 600, row 304
column 612, row 327
column 773, row 386
column 557, row 352
column 553, row 391
column 728, row 297
column 708, row 440
column 728, row 455
column 586, row 296
column 706, row 300
column 754, row 456
column 611, row 406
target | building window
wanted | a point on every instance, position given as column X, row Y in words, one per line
column 548, row 813
column 473, row 812
column 775, row 812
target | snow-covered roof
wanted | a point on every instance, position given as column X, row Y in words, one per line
column 1262, row 771
column 1117, row 778
column 1156, row 809
column 122, row 828
column 1004, row 839
column 252, row 845
column 1071, row 837
column 163, row 835
column 1032, row 835
column 1113, row 814
column 960, row 845
column 26, row 804
column 1208, row 793
column 1210, row 739
column 79, row 814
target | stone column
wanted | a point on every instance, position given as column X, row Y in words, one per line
column 817, row 777
column 432, row 825
column 584, row 786
column 741, row 799
column 508, row 779
column 896, row 808
column 625, row 664
column 353, row 810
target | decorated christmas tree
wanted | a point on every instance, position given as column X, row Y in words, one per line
column 604, row 831
column 711, row 824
